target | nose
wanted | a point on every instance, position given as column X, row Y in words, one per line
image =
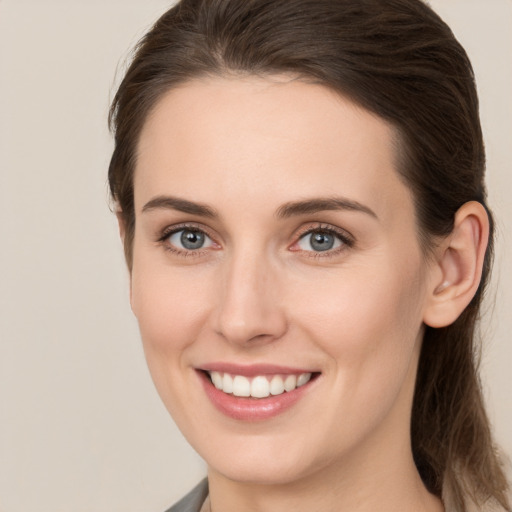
column 250, row 308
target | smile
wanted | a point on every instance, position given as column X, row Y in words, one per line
column 255, row 392
column 260, row 386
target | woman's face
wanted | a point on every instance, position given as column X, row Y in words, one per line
column 274, row 239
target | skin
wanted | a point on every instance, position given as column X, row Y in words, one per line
column 257, row 292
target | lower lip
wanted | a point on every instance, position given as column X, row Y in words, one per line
column 252, row 409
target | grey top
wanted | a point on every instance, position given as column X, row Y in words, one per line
column 194, row 500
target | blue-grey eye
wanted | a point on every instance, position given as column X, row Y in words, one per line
column 319, row 241
column 190, row 239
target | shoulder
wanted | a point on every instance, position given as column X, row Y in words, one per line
column 193, row 501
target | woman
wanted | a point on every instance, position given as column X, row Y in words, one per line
column 299, row 187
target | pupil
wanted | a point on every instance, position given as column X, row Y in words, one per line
column 322, row 241
column 192, row 239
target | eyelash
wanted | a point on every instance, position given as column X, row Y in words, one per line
column 168, row 232
column 347, row 241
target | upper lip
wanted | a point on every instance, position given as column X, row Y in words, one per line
column 252, row 370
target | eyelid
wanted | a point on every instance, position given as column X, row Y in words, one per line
column 168, row 231
column 346, row 238
column 174, row 228
column 343, row 235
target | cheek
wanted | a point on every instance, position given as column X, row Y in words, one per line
column 361, row 306
column 369, row 323
column 170, row 309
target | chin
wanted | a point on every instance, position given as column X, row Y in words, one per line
column 259, row 460
column 255, row 472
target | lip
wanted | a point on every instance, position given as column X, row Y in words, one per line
column 253, row 409
column 253, row 370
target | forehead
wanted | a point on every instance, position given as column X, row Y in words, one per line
column 265, row 137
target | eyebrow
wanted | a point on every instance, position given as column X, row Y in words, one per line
column 316, row 205
column 181, row 205
column 290, row 209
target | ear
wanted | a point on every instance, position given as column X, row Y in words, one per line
column 121, row 223
column 458, row 268
column 122, row 232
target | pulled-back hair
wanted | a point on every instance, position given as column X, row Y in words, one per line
column 399, row 60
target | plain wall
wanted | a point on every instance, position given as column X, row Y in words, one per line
column 81, row 426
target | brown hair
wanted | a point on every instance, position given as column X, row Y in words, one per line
column 398, row 59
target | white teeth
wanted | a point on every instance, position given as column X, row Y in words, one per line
column 260, row 386
column 241, row 386
column 276, row 385
column 217, row 379
column 304, row 378
column 290, row 383
column 227, row 383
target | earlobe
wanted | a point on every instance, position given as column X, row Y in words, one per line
column 459, row 266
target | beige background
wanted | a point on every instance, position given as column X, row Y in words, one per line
column 81, row 427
